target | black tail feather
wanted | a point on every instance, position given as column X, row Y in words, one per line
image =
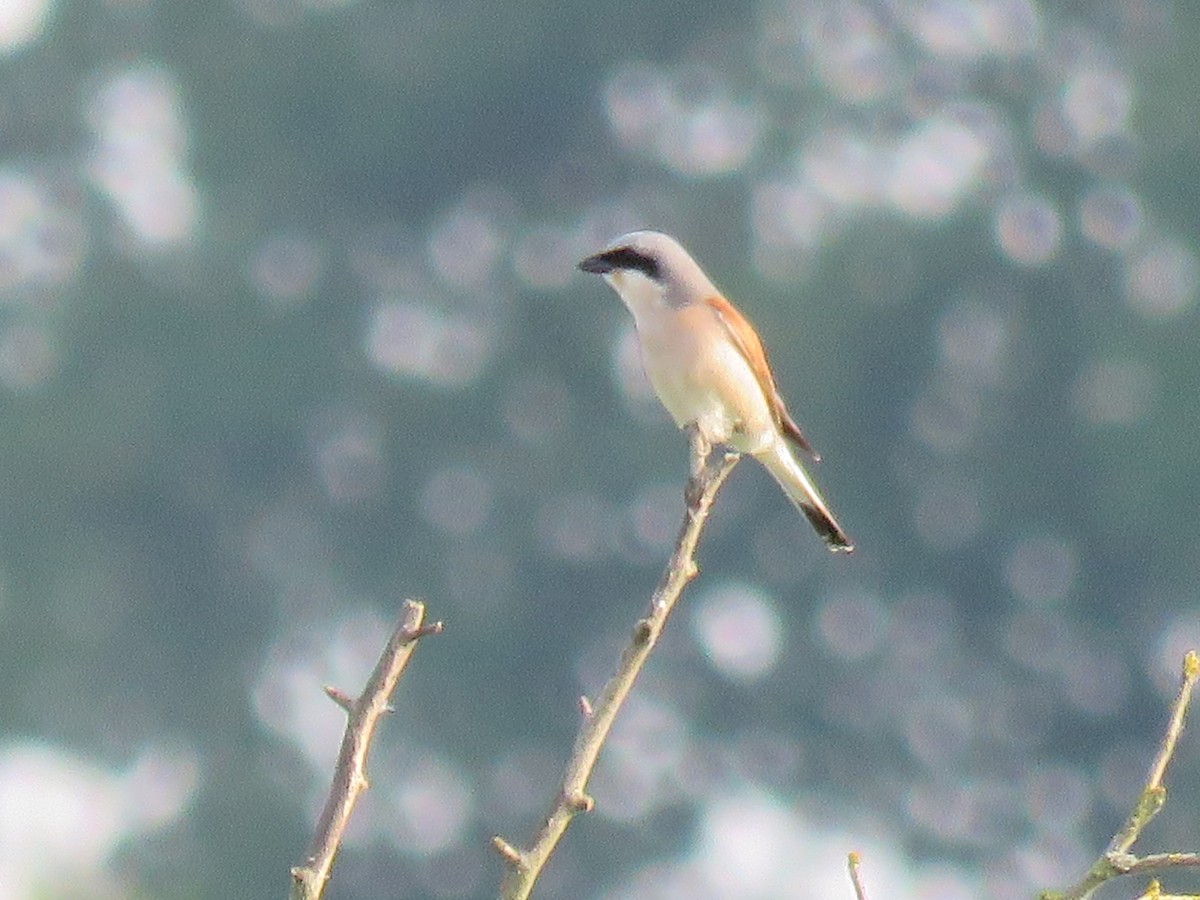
column 829, row 530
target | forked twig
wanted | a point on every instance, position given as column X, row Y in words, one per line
column 1116, row 859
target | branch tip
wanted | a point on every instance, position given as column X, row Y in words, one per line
column 1191, row 669
column 854, row 863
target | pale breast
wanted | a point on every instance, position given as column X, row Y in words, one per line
column 701, row 377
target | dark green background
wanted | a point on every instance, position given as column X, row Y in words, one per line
column 169, row 547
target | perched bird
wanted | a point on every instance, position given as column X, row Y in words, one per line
column 707, row 364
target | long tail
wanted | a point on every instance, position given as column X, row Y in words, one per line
column 799, row 488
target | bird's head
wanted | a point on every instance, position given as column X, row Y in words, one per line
column 649, row 269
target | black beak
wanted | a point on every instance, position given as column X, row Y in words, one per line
column 597, row 265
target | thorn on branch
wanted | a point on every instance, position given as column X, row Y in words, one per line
column 511, row 854
column 341, row 698
column 424, row 631
column 585, row 707
column 581, row 803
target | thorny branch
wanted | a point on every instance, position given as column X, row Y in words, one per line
column 522, row 866
column 349, row 775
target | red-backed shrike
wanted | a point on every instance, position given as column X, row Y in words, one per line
column 707, row 364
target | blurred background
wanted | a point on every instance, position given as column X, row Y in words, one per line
column 291, row 330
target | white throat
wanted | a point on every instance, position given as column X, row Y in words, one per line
column 643, row 296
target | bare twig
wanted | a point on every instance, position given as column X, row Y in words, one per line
column 1116, row 859
column 522, row 867
column 349, row 775
column 854, row 863
column 1154, row 892
column 1154, row 862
